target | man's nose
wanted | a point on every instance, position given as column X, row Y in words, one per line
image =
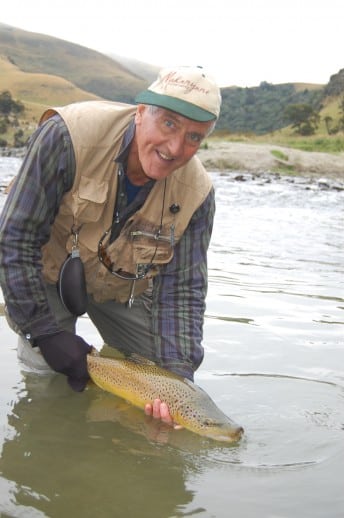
column 176, row 144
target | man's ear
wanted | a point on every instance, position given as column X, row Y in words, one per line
column 139, row 111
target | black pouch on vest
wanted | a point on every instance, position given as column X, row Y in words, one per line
column 71, row 284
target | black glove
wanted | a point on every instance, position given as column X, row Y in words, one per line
column 66, row 353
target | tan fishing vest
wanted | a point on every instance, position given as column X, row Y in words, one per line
column 97, row 129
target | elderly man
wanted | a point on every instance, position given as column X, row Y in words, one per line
column 111, row 214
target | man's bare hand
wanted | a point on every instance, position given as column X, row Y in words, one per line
column 159, row 410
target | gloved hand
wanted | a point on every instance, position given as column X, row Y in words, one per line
column 66, row 353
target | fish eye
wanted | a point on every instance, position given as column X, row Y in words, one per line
column 209, row 422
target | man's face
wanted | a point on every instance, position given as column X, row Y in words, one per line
column 166, row 140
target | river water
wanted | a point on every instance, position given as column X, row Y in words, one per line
column 274, row 362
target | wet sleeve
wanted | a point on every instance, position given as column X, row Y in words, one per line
column 47, row 172
column 179, row 296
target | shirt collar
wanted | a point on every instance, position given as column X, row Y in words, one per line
column 123, row 154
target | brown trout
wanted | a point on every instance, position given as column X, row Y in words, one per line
column 142, row 381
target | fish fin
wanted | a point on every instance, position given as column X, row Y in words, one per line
column 137, row 358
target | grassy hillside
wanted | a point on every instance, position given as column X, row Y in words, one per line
column 43, row 71
column 38, row 90
column 40, row 70
column 86, row 68
column 144, row 70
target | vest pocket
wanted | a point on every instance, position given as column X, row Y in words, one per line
column 90, row 199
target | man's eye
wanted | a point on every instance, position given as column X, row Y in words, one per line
column 168, row 123
column 195, row 138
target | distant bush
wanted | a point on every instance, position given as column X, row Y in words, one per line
column 3, row 126
column 9, row 123
column 303, row 118
column 19, row 138
column 8, row 105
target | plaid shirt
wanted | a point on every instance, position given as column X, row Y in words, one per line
column 47, row 173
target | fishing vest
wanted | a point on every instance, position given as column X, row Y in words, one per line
column 148, row 237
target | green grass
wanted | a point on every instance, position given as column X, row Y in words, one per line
column 279, row 155
column 320, row 144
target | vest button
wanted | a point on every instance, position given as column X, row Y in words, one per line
column 174, row 208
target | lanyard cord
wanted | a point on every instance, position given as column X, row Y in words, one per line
column 161, row 220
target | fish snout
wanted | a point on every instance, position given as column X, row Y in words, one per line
column 238, row 433
column 226, row 432
column 232, row 433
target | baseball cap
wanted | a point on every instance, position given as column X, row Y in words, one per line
column 189, row 91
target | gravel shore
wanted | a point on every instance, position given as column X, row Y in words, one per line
column 260, row 158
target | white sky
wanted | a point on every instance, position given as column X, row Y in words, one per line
column 241, row 42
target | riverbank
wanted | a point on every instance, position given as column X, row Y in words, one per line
column 13, row 152
column 263, row 158
column 255, row 158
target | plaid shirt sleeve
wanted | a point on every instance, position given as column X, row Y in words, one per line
column 46, row 174
column 179, row 296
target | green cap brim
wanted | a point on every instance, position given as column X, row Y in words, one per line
column 191, row 111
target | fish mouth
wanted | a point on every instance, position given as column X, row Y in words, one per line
column 238, row 433
column 233, row 435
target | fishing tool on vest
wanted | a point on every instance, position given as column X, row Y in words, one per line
column 71, row 283
column 142, row 270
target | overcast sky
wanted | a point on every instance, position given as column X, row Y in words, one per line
column 241, row 42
